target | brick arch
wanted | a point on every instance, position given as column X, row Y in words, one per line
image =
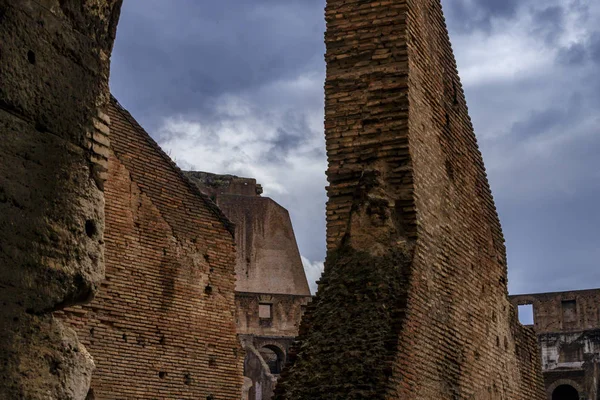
column 569, row 382
column 274, row 343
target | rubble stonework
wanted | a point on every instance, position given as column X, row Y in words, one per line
column 54, row 67
column 162, row 325
column 568, row 330
column 413, row 302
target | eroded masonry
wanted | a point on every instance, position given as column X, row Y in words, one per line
column 416, row 263
column 271, row 287
column 413, row 302
column 54, row 66
column 568, row 330
column 162, row 325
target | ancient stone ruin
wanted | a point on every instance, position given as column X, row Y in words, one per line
column 162, row 325
column 413, row 302
column 568, row 330
column 54, row 65
column 416, row 264
column 271, row 287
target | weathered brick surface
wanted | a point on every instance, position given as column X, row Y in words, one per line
column 54, row 66
column 162, row 326
column 415, row 277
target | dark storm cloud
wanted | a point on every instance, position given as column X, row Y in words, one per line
column 185, row 53
column 548, row 23
column 470, row 15
column 542, row 122
column 572, row 55
column 594, row 47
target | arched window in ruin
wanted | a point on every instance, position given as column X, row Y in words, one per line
column 274, row 358
column 565, row 392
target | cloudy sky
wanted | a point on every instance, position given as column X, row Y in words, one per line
column 236, row 86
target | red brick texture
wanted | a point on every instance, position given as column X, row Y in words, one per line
column 162, row 325
column 415, row 248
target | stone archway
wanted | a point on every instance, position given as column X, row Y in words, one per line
column 565, row 389
column 274, row 357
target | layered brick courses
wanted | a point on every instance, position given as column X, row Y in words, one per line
column 162, row 325
column 410, row 212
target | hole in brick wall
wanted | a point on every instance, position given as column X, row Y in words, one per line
column 91, row 331
column 124, row 337
column 525, row 312
column 90, row 228
column 164, row 252
column 162, row 340
column 447, row 120
column 212, row 361
column 454, row 95
column 162, row 374
column 210, row 397
column 498, row 341
column 505, row 343
column 187, row 379
column 31, row 57
column 211, row 270
column 208, row 289
column 449, row 170
column 206, row 257
column 40, row 127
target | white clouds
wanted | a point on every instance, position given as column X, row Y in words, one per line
column 273, row 134
column 515, row 89
column 313, row 272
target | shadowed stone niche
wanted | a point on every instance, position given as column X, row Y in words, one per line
column 54, row 66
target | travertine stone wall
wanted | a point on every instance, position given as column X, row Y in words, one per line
column 413, row 303
column 162, row 326
column 54, row 65
column 286, row 313
column 268, row 260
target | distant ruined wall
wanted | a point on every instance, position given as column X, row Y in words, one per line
column 568, row 332
column 163, row 326
column 284, row 319
column 54, row 66
column 575, row 310
column 413, row 301
column 268, row 260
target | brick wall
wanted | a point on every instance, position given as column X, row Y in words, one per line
column 415, row 277
column 162, row 326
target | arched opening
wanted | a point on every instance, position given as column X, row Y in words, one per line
column 565, row 392
column 274, row 358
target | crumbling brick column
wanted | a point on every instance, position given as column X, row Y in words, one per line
column 54, row 66
column 413, row 301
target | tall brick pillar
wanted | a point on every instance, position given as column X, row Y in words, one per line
column 54, row 65
column 413, row 301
